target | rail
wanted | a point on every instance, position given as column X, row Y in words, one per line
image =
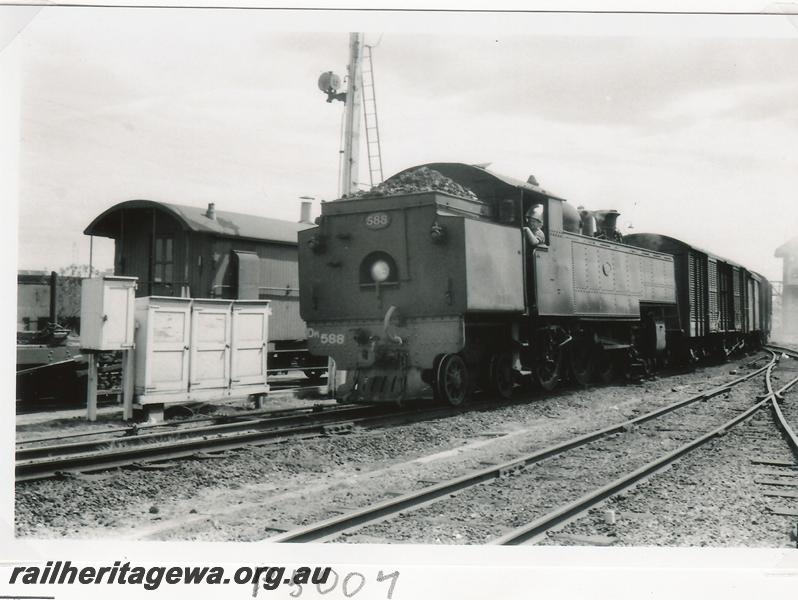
column 789, row 435
column 50, row 461
column 121, row 432
column 41, row 462
column 334, row 526
column 534, row 531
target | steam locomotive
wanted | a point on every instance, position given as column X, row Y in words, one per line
column 432, row 291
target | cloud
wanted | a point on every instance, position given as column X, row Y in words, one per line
column 624, row 82
column 194, row 107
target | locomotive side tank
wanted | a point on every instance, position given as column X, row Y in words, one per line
column 431, row 293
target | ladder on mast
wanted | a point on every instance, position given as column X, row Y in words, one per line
column 370, row 115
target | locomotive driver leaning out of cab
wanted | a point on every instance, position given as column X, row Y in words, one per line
column 532, row 229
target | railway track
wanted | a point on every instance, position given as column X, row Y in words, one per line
column 44, row 458
column 333, row 527
column 534, row 531
column 774, row 462
column 49, row 457
column 40, row 459
column 28, row 448
column 784, row 348
column 787, row 426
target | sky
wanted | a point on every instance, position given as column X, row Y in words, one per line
column 687, row 131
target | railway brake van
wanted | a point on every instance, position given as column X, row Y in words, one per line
column 191, row 252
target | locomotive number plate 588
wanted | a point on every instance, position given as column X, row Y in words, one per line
column 326, row 338
column 378, row 220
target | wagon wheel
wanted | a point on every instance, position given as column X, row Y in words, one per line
column 648, row 367
column 549, row 367
column 453, row 380
column 581, row 359
column 502, row 377
column 436, row 363
column 694, row 356
column 603, row 365
column 666, row 360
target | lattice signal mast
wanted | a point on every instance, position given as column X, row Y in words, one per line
column 370, row 116
column 360, row 94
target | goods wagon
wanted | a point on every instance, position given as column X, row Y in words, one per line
column 722, row 305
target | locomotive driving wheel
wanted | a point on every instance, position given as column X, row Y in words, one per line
column 549, row 366
column 501, row 375
column 581, row 359
column 452, row 380
column 603, row 365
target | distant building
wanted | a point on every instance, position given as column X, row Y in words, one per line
column 33, row 300
column 788, row 252
column 34, row 297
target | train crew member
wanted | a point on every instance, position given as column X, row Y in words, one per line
column 532, row 231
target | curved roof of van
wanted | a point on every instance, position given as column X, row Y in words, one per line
column 194, row 218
